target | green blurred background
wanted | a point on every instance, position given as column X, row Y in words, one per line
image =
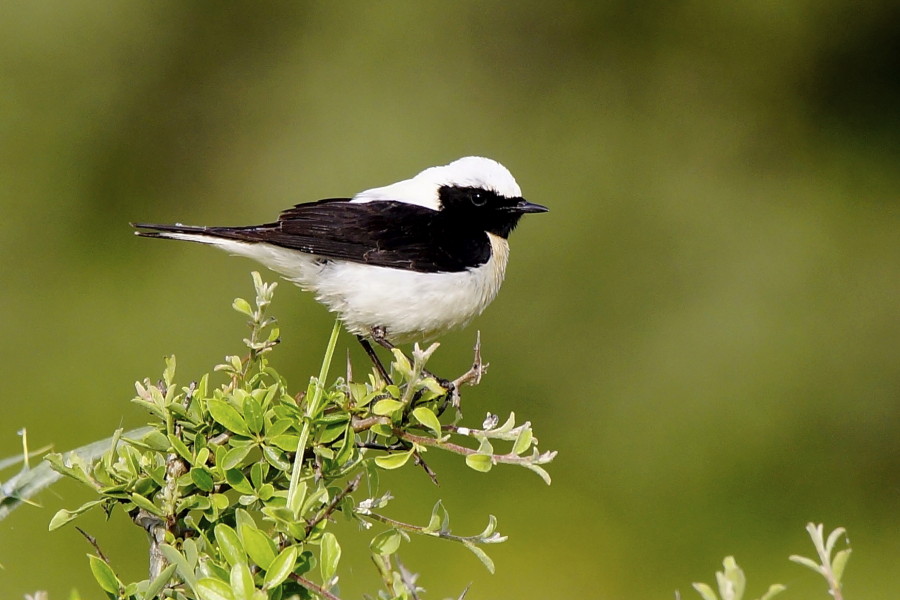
column 706, row 325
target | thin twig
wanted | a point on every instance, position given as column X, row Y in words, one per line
column 408, row 578
column 326, row 512
column 93, row 542
column 417, row 456
column 367, row 423
column 510, row 458
column 313, row 587
column 472, row 376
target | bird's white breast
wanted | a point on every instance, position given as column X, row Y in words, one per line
column 409, row 305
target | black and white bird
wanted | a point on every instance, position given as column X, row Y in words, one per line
column 408, row 261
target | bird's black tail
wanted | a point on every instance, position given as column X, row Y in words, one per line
column 197, row 233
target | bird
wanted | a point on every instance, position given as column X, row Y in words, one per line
column 405, row 262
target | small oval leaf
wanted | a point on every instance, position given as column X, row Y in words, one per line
column 393, row 461
column 281, row 567
column 329, row 555
column 227, row 416
column 213, row 589
column 387, row 406
column 386, row 542
column 258, row 545
column 426, row 417
column 242, row 582
column 229, row 544
column 104, row 575
column 202, row 478
column 480, row 462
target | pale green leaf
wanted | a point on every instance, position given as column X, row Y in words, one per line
column 806, row 562
column 393, row 461
column 242, row 306
column 234, row 457
column 775, row 588
column 175, row 557
column 229, row 544
column 479, row 462
column 426, row 417
column 386, row 542
column 329, row 555
column 227, row 416
column 481, row 554
column 387, row 406
column 833, row 537
column 64, row 516
column 213, row 589
column 202, row 478
column 253, row 414
column 104, row 575
column 147, row 505
column 242, row 582
column 258, row 545
column 839, row 562
column 281, row 567
column 159, row 582
column 705, row 591
column 523, row 441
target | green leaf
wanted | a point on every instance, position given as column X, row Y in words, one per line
column 202, row 478
column 242, row 582
column 227, row 416
column 155, row 439
column 104, row 575
column 158, row 583
column 480, row 462
column 401, row 363
column 523, row 441
column 242, row 306
column 426, row 417
column 806, row 562
column 253, row 414
column 213, row 589
column 775, row 588
column 285, row 441
column 481, row 554
column 281, row 567
column 229, row 544
column 184, row 568
column 64, row 516
column 386, row 542
column 440, row 518
column 235, row 457
column 329, row 555
column 393, row 461
column 180, row 448
column 297, row 499
column 542, row 473
column 839, row 562
column 238, row 482
column 258, row 545
column 705, row 591
column 386, row 407
column 147, row 505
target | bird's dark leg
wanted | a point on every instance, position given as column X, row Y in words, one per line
column 378, row 334
column 374, row 357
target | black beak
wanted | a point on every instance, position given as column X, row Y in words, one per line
column 524, row 206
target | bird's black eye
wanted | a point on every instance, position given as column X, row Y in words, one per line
column 478, row 198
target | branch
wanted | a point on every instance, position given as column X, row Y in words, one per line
column 510, row 458
column 326, row 512
column 314, row 587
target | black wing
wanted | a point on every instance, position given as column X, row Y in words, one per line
column 381, row 233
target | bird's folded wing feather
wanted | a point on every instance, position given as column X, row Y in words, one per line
column 380, row 233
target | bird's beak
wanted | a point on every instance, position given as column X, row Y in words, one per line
column 524, row 206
